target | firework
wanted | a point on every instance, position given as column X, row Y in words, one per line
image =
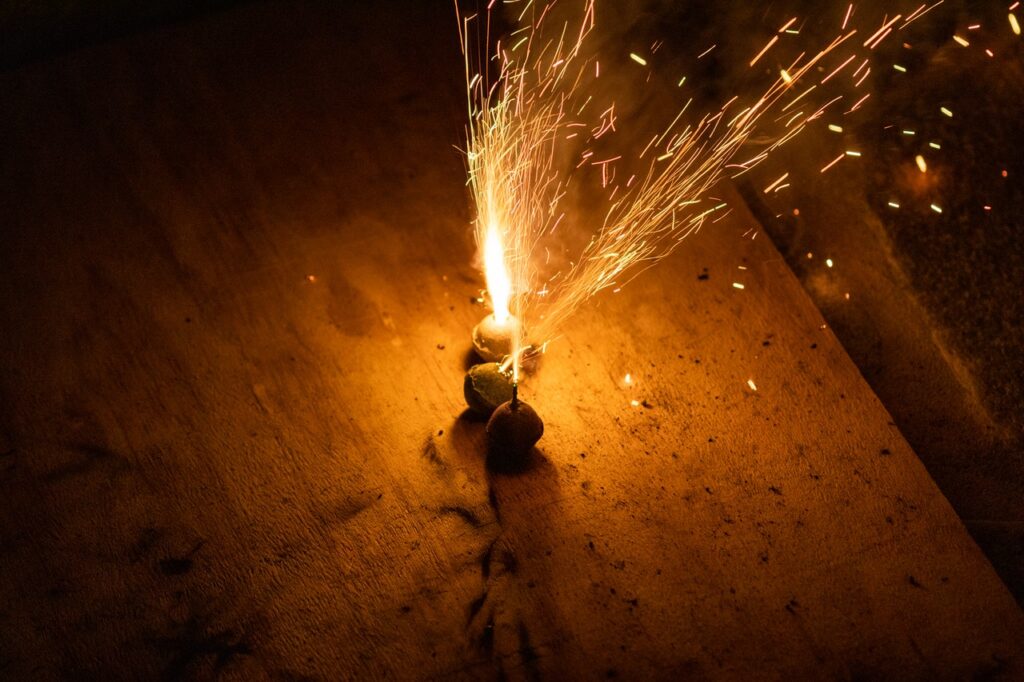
column 516, row 123
column 530, row 133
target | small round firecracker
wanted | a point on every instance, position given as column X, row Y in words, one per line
column 512, row 431
column 486, row 387
column 492, row 338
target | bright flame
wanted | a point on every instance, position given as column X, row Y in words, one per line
column 498, row 284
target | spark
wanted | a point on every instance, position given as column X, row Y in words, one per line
column 834, row 162
column 767, row 47
column 751, row 384
column 737, row 285
column 920, row 12
column 1014, row 24
column 937, row 209
column 838, row 69
column 921, row 163
column 707, row 51
column 638, row 59
column 961, row 41
column 828, row 262
column 894, row 204
column 913, row 15
column 861, row 101
column 834, row 128
column 775, row 184
column 881, row 38
column 946, row 112
column 880, row 34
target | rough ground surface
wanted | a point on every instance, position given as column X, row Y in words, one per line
column 236, row 297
